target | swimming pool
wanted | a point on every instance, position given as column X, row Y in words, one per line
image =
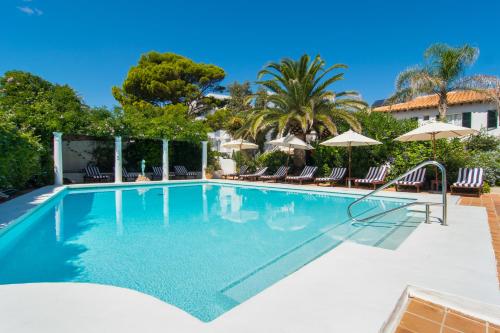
column 203, row 247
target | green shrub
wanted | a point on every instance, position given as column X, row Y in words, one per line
column 490, row 162
column 482, row 142
column 19, row 157
column 272, row 160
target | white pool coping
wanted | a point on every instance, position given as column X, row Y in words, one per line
column 353, row 288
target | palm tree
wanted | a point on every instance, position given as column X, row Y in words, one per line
column 298, row 102
column 442, row 72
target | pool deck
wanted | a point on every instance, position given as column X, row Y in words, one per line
column 353, row 288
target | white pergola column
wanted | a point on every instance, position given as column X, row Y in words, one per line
column 204, row 159
column 165, row 160
column 118, row 159
column 58, row 162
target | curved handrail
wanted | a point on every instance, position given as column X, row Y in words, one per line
column 421, row 165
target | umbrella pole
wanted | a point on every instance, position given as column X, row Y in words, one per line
column 350, row 153
column 434, row 154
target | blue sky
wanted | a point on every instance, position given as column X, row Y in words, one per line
column 91, row 44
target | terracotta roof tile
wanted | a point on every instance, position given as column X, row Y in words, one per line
column 431, row 101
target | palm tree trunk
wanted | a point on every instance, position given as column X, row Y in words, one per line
column 443, row 106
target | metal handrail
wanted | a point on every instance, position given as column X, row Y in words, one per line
column 427, row 204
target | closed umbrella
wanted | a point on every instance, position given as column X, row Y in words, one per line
column 436, row 130
column 350, row 139
column 291, row 142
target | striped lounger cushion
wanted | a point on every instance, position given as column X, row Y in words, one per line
column 469, row 177
column 375, row 174
column 157, row 171
column 259, row 173
column 94, row 172
column 280, row 173
column 414, row 178
column 307, row 173
column 180, row 170
column 335, row 175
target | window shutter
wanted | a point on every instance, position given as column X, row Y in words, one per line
column 492, row 121
column 467, row 119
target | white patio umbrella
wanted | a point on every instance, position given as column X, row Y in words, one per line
column 291, row 142
column 350, row 139
column 239, row 144
column 436, row 130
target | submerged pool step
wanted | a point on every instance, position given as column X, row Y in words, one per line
column 381, row 232
column 268, row 274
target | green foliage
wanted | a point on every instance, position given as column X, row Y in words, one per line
column 33, row 103
column 326, row 158
column 300, row 101
column 483, row 142
column 104, row 155
column 161, row 79
column 240, row 97
column 19, row 157
column 171, row 122
column 137, row 150
column 490, row 162
column 384, row 128
column 272, row 160
column 443, row 71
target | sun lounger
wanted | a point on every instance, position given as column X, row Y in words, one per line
column 182, row 172
column 335, row 176
column 7, row 193
column 374, row 177
column 306, row 174
column 243, row 170
column 469, row 178
column 278, row 175
column 255, row 175
column 93, row 175
column 415, row 179
column 129, row 176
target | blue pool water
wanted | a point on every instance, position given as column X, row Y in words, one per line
column 204, row 248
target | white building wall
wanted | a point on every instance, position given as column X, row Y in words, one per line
column 479, row 114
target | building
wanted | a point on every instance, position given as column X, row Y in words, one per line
column 466, row 108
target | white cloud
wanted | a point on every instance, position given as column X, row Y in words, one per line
column 30, row 11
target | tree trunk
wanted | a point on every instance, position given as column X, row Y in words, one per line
column 443, row 106
column 299, row 155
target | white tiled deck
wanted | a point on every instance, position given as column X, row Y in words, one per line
column 353, row 288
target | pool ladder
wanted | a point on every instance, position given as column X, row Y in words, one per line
column 427, row 204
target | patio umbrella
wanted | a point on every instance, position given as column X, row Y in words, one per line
column 350, row 139
column 436, row 130
column 240, row 145
column 291, row 142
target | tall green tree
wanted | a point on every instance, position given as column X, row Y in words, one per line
column 161, row 79
column 231, row 116
column 32, row 103
column 443, row 71
column 299, row 100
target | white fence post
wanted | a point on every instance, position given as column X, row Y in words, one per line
column 118, row 159
column 165, row 160
column 58, row 161
column 204, row 159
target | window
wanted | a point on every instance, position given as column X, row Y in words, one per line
column 426, row 118
column 414, row 118
column 455, row 119
column 492, row 121
column 467, row 119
